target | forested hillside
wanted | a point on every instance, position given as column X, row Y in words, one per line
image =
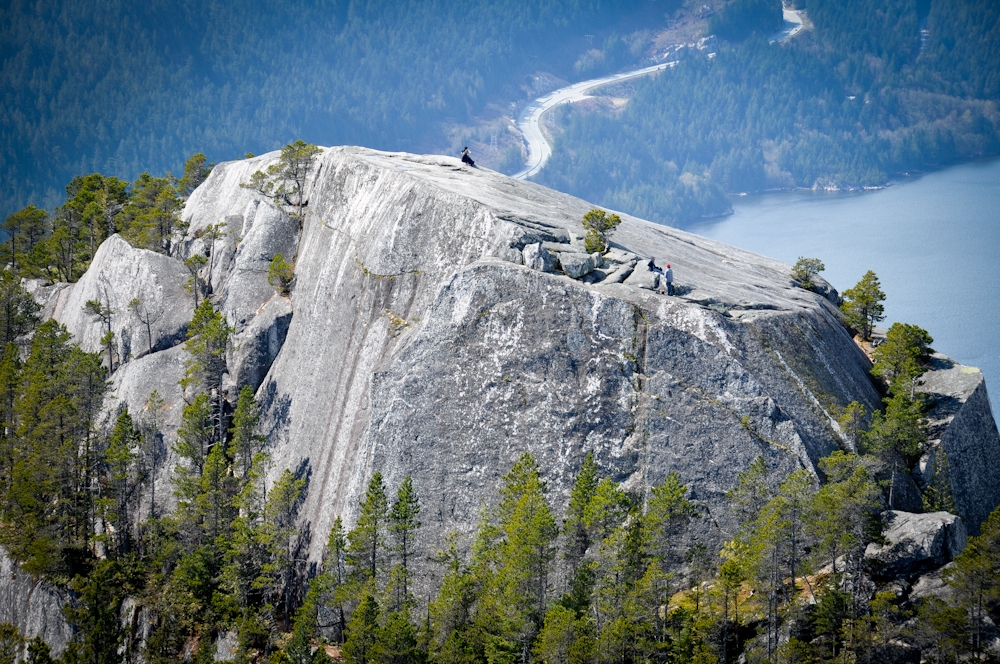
column 120, row 87
column 849, row 104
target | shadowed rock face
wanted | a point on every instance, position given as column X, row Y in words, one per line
column 420, row 340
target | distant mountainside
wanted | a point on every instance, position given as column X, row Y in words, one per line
column 122, row 87
column 873, row 89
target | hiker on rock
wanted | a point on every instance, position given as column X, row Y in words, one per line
column 668, row 279
column 466, row 159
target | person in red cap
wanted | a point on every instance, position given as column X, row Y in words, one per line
column 668, row 278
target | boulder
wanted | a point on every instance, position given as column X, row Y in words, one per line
column 932, row 584
column 119, row 274
column 916, row 542
column 961, row 425
column 576, row 265
column 538, row 257
column 642, row 277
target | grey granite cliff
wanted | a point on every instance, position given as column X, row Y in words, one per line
column 434, row 329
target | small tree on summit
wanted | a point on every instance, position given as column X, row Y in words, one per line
column 599, row 227
column 805, row 270
column 285, row 181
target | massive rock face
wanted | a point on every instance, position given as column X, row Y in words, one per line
column 432, row 331
column 421, row 343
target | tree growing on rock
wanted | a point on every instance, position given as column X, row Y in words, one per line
column 280, row 274
column 902, row 358
column 600, row 225
column 207, row 343
column 805, row 270
column 285, row 181
column 196, row 171
column 862, row 305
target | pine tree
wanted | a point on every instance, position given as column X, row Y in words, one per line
column 403, row 524
column 281, row 539
column 245, row 440
column 862, row 305
column 367, row 540
column 207, row 343
column 122, row 480
column 361, row 646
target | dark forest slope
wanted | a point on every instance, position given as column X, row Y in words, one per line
column 120, row 87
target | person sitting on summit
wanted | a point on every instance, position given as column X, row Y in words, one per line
column 466, row 159
column 666, row 277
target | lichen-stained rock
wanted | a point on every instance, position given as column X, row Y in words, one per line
column 961, row 423
column 119, row 274
column 34, row 606
column 254, row 349
column 916, row 542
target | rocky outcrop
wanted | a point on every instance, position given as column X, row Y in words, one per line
column 433, row 330
column 431, row 336
column 35, row 607
column 964, row 449
column 119, row 275
column 916, row 542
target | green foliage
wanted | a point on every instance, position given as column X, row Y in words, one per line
column 366, row 541
column 151, row 216
column 285, row 181
column 18, row 309
column 196, row 171
column 902, row 358
column 600, row 225
column 741, row 18
column 52, row 454
column 862, row 305
column 164, row 80
column 280, row 274
column 853, row 422
column 847, row 108
column 805, row 269
column 208, row 337
column 11, row 643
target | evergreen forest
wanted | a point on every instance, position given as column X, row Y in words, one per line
column 122, row 87
column 861, row 97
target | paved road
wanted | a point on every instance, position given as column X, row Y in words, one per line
column 793, row 25
column 529, row 121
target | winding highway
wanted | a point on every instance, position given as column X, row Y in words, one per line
column 529, row 121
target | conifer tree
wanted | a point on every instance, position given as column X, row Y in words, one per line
column 862, row 305
column 403, row 524
column 122, row 480
column 245, row 440
column 207, row 343
column 281, row 539
column 367, row 540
